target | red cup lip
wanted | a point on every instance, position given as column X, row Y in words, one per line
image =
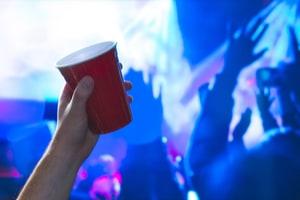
column 77, row 57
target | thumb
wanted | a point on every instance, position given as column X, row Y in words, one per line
column 81, row 94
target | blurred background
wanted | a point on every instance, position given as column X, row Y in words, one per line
column 168, row 48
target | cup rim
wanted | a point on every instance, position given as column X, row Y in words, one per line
column 64, row 62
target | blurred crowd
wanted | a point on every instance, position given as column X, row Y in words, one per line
column 223, row 169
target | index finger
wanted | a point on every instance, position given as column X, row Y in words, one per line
column 64, row 99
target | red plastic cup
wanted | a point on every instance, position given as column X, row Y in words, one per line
column 107, row 107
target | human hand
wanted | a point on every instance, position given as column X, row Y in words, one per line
column 240, row 51
column 264, row 101
column 243, row 125
column 289, row 112
column 73, row 138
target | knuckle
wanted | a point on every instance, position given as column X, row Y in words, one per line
column 78, row 96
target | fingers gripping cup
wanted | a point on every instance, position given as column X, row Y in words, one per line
column 107, row 107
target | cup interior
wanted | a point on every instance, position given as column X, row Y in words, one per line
column 85, row 54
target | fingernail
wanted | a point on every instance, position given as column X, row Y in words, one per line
column 87, row 82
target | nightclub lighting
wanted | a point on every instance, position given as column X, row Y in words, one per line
column 276, row 40
column 164, row 139
column 149, row 40
column 36, row 34
column 192, row 195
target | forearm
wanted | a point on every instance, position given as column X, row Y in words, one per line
column 219, row 102
column 209, row 139
column 228, row 78
column 208, row 143
column 52, row 178
column 215, row 118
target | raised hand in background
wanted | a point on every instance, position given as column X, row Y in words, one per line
column 242, row 126
column 237, row 145
column 264, row 102
column 240, row 52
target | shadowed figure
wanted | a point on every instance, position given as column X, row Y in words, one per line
column 208, row 149
column 270, row 170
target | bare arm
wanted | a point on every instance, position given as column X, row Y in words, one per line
column 54, row 175
column 52, row 179
column 237, row 144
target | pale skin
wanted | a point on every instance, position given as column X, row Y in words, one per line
column 54, row 175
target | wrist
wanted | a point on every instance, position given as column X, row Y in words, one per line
column 232, row 68
column 226, row 80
